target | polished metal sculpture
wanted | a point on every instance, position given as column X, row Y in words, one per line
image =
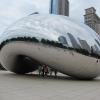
column 57, row 41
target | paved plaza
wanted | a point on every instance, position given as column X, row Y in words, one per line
column 34, row 87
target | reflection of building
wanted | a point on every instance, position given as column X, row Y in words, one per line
column 73, row 41
column 60, row 7
column 97, row 42
column 63, row 40
column 96, row 49
column 84, row 45
column 92, row 19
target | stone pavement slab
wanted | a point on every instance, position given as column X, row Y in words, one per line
column 34, row 87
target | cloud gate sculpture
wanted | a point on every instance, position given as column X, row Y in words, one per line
column 57, row 41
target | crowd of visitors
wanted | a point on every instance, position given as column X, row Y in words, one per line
column 44, row 70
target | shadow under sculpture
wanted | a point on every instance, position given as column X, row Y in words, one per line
column 24, row 64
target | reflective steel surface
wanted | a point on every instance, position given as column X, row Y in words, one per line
column 53, row 28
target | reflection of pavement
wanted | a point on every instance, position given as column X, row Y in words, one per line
column 33, row 87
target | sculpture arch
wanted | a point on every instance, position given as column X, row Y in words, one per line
column 33, row 41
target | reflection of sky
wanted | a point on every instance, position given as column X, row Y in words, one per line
column 51, row 28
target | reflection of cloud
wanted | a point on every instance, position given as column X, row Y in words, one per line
column 12, row 10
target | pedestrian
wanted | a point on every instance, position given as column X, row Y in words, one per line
column 40, row 70
column 43, row 71
column 55, row 71
column 46, row 70
column 52, row 70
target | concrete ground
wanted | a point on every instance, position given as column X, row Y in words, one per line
column 34, row 87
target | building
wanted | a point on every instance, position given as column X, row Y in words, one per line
column 60, row 7
column 92, row 19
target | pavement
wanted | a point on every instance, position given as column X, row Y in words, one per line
column 34, row 87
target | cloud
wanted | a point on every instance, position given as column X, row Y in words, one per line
column 12, row 10
column 77, row 8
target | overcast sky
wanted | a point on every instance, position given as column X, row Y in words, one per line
column 12, row 10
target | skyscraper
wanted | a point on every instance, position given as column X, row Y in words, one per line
column 92, row 19
column 60, row 7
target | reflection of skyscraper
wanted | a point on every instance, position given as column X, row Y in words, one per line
column 63, row 40
column 84, row 45
column 60, row 7
column 73, row 41
column 96, row 49
column 97, row 42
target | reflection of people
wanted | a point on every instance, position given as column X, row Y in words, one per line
column 40, row 70
column 50, row 71
column 43, row 70
column 53, row 70
column 97, row 61
column 91, row 49
column 46, row 70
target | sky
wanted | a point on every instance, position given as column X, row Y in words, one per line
column 12, row 10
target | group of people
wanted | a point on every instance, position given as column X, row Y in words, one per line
column 44, row 70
